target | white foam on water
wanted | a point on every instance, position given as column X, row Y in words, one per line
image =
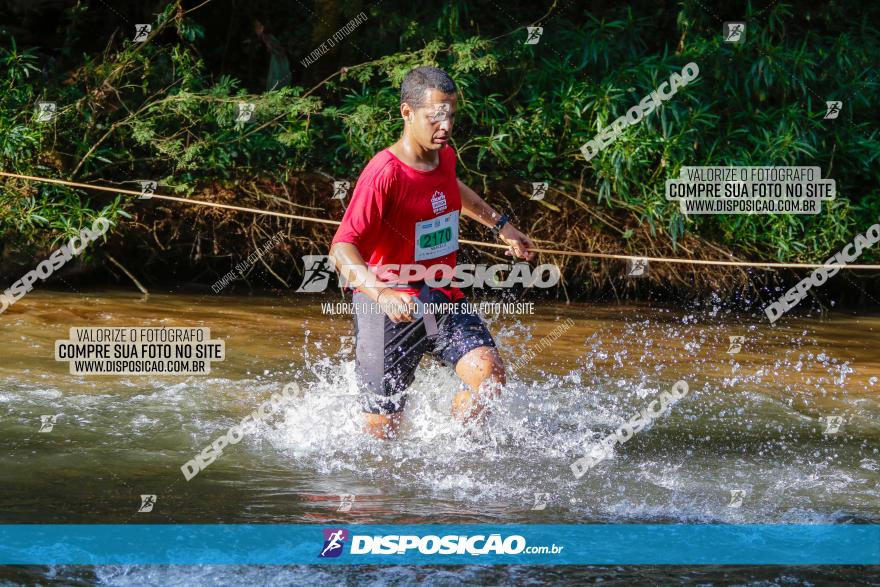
column 284, row 576
column 731, row 428
column 539, row 427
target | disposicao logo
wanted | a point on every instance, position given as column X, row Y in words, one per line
column 334, row 540
column 319, row 269
column 401, row 544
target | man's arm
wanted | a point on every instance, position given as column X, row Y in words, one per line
column 360, row 225
column 473, row 206
column 350, row 264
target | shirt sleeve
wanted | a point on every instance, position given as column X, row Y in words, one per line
column 362, row 221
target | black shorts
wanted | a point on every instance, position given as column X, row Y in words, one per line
column 388, row 353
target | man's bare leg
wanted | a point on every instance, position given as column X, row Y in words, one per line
column 483, row 372
column 382, row 426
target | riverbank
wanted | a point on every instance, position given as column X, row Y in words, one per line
column 165, row 244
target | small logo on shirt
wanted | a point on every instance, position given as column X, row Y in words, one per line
column 438, row 202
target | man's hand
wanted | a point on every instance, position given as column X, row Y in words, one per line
column 518, row 242
column 397, row 305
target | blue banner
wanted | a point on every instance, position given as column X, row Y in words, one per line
column 532, row 544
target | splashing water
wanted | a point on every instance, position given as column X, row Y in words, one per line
column 755, row 422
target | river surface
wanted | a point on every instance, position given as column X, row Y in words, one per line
column 754, row 423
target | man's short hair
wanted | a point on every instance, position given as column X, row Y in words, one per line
column 412, row 90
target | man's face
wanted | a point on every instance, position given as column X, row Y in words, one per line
column 431, row 123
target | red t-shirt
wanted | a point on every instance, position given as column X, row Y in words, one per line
column 390, row 205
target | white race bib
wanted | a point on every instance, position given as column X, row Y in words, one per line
column 437, row 237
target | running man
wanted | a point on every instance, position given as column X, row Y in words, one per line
column 402, row 187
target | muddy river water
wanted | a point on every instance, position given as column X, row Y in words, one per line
column 786, row 430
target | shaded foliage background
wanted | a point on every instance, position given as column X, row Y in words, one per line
column 165, row 110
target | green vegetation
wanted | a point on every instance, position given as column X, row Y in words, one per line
column 165, row 110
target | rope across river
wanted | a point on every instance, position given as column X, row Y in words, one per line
column 464, row 241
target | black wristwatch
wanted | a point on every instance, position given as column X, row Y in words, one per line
column 496, row 230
